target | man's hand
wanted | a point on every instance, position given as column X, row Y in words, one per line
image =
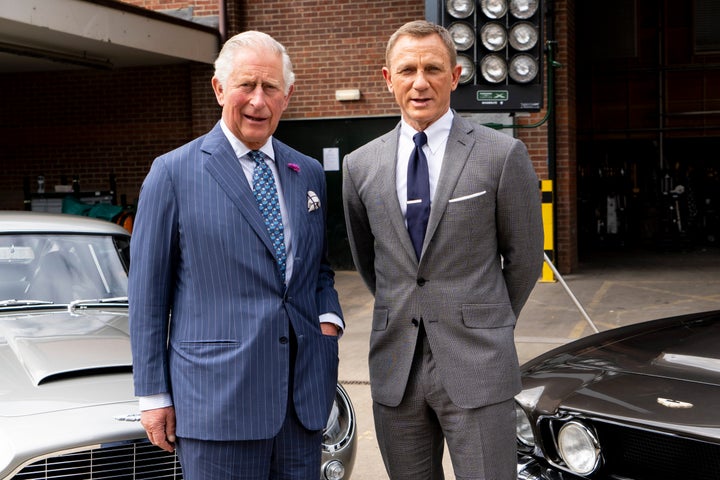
column 159, row 423
column 329, row 329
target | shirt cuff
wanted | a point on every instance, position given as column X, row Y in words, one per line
column 335, row 320
column 151, row 402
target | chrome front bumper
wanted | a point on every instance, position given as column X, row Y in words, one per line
column 529, row 468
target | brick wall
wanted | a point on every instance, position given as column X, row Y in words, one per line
column 334, row 45
column 91, row 124
column 566, row 139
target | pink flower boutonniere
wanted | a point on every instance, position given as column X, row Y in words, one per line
column 294, row 167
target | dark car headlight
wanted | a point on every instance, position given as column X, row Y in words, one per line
column 578, row 447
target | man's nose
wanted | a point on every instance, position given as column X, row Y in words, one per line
column 420, row 81
column 257, row 96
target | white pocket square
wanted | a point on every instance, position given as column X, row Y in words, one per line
column 313, row 201
column 466, row 197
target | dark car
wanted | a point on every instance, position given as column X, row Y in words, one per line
column 67, row 409
column 641, row 402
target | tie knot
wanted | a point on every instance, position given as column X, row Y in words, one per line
column 257, row 156
column 420, row 139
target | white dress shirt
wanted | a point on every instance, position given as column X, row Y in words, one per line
column 437, row 135
column 248, row 166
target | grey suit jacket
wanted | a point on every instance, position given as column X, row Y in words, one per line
column 482, row 255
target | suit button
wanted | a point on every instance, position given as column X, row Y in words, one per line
column 421, row 282
column 283, row 340
column 415, row 322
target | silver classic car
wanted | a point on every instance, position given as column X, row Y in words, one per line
column 67, row 409
column 641, row 402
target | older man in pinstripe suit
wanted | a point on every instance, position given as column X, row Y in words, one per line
column 241, row 378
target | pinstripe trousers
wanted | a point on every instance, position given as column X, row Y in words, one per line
column 293, row 454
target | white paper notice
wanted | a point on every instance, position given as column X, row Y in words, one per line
column 331, row 159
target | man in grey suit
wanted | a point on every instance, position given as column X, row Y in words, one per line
column 449, row 277
column 233, row 312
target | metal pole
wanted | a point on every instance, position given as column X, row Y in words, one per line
column 570, row 293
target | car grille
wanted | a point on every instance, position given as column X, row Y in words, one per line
column 641, row 454
column 127, row 460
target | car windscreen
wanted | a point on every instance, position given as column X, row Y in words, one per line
column 60, row 268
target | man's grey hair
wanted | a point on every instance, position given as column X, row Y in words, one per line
column 252, row 40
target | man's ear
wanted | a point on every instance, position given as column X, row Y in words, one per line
column 457, row 70
column 219, row 92
column 387, row 77
column 287, row 97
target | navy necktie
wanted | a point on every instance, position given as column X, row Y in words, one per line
column 266, row 196
column 418, row 194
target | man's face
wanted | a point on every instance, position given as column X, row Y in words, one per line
column 253, row 97
column 421, row 78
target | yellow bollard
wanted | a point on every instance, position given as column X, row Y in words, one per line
column 548, row 227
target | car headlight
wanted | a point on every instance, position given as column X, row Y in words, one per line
column 338, row 440
column 339, row 428
column 523, row 428
column 579, row 448
column 334, row 430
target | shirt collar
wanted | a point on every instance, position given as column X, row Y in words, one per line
column 437, row 133
column 241, row 149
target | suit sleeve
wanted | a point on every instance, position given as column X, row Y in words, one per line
column 360, row 237
column 327, row 297
column 151, row 281
column 519, row 221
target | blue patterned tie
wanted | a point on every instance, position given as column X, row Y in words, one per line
column 267, row 198
column 418, row 194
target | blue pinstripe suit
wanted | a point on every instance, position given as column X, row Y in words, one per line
column 200, row 251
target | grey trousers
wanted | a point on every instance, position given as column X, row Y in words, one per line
column 411, row 436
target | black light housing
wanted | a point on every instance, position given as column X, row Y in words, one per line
column 500, row 47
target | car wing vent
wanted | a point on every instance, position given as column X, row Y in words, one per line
column 87, row 372
column 50, row 357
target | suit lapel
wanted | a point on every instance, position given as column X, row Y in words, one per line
column 224, row 167
column 293, row 192
column 387, row 183
column 457, row 152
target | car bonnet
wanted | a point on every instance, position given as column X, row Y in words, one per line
column 667, row 374
column 54, row 361
column 684, row 351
